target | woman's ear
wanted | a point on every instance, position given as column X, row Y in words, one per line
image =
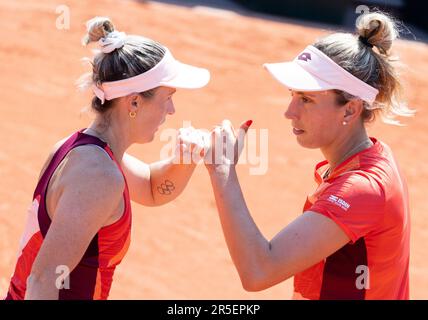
column 134, row 101
column 353, row 110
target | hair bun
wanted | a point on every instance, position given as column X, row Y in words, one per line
column 378, row 30
column 97, row 28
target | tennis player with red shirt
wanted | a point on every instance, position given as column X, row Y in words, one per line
column 352, row 240
column 79, row 225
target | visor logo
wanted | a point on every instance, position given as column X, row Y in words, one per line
column 305, row 56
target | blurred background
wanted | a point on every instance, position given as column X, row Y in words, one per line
column 339, row 11
column 335, row 12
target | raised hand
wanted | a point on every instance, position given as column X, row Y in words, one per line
column 226, row 144
column 192, row 145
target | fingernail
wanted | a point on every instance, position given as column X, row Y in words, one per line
column 248, row 123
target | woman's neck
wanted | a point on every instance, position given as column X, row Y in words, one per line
column 345, row 148
column 112, row 135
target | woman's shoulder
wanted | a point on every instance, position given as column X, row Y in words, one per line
column 361, row 184
column 53, row 151
column 90, row 162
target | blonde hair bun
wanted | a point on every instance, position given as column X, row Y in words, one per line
column 377, row 29
column 97, row 28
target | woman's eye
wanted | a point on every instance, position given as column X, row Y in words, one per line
column 305, row 100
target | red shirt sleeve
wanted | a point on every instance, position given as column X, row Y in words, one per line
column 354, row 201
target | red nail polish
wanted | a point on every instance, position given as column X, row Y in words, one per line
column 248, row 123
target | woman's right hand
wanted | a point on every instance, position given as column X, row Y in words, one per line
column 191, row 145
column 226, row 145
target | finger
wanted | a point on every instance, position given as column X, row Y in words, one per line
column 215, row 136
column 228, row 128
column 246, row 125
column 240, row 141
column 206, row 142
column 243, row 129
column 226, row 123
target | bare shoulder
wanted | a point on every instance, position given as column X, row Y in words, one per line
column 91, row 165
column 87, row 184
column 52, row 153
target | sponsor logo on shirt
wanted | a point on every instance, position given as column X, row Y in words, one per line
column 339, row 202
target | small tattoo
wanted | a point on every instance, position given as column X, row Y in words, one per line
column 166, row 188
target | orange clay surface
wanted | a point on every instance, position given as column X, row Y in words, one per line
column 178, row 250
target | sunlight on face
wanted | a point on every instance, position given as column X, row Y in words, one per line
column 315, row 117
column 154, row 112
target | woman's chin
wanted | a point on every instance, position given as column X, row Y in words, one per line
column 305, row 143
column 151, row 137
column 146, row 138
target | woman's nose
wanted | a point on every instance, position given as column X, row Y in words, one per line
column 171, row 108
column 291, row 112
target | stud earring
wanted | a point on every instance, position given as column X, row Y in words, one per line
column 132, row 114
column 344, row 123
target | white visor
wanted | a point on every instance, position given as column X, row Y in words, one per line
column 168, row 72
column 312, row 70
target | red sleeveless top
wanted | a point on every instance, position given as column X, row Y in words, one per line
column 93, row 276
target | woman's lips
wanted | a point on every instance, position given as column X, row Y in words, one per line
column 297, row 131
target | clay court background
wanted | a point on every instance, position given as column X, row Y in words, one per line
column 178, row 250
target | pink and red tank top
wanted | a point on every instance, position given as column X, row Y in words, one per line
column 92, row 278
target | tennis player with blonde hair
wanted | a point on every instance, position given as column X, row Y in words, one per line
column 352, row 240
column 80, row 219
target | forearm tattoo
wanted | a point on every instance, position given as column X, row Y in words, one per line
column 166, row 188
